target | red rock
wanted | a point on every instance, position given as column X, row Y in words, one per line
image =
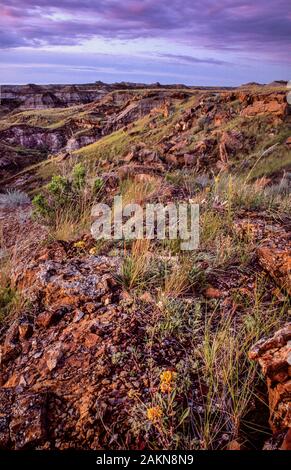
column 274, row 357
column 234, row 445
column 53, row 356
column 45, row 319
column 91, row 340
column 189, row 159
column 27, row 426
column 25, row 330
column 171, row 159
column 286, row 444
column 147, row 297
column 278, row 263
column 6, row 404
column 11, row 347
column 270, row 105
column 212, row 293
column 230, row 143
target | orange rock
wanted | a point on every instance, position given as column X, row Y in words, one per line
column 91, row 340
column 274, row 357
column 45, row 319
column 234, row 445
column 219, row 119
column 147, row 297
column 274, row 107
column 171, row 159
column 25, row 330
column 278, row 263
column 212, row 293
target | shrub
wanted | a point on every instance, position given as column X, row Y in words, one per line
column 59, row 187
column 98, row 186
column 79, row 176
column 178, row 280
column 41, row 206
column 14, row 198
column 65, row 203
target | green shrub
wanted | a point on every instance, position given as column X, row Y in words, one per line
column 65, row 203
column 63, row 194
column 60, row 188
column 79, row 176
column 41, row 207
column 98, row 186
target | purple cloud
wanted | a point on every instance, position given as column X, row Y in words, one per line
column 252, row 36
column 180, row 58
column 238, row 24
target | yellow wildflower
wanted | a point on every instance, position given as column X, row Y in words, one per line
column 93, row 251
column 168, row 376
column 133, row 393
column 79, row 244
column 154, row 414
column 165, row 387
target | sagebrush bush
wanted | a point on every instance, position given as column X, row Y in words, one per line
column 13, row 198
column 65, row 204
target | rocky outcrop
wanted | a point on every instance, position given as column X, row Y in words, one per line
column 277, row 262
column 275, row 104
column 49, row 96
column 50, row 140
column 230, row 143
column 78, row 141
column 274, row 357
column 59, row 378
column 13, row 159
column 194, row 137
column 35, row 137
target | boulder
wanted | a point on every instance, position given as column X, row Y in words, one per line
column 230, row 143
column 275, row 105
column 277, row 262
column 274, row 357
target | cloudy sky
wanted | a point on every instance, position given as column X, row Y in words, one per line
column 209, row 42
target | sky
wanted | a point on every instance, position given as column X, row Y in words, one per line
column 205, row 42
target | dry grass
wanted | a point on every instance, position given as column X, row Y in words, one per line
column 135, row 267
column 70, row 223
column 177, row 281
column 210, row 401
column 139, row 192
column 12, row 302
column 228, row 379
column 211, row 225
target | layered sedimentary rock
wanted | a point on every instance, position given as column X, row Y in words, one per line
column 49, row 96
column 274, row 357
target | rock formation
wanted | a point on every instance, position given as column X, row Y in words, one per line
column 274, row 357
